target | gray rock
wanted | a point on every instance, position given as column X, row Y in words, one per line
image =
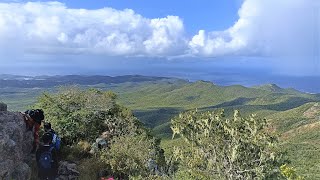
column 22, row 172
column 3, row 107
column 67, row 171
column 100, row 143
column 15, row 146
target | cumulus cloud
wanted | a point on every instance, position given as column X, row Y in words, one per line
column 51, row 27
column 265, row 27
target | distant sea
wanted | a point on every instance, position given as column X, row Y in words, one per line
column 221, row 72
column 226, row 72
column 308, row 84
column 229, row 76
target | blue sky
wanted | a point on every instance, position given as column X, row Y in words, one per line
column 195, row 13
column 143, row 37
column 204, row 14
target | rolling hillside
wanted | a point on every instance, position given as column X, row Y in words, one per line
column 299, row 129
column 292, row 114
column 156, row 99
column 155, row 103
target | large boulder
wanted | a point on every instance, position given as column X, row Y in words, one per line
column 68, row 171
column 3, row 107
column 15, row 146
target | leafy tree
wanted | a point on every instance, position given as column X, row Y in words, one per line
column 80, row 116
column 237, row 148
column 84, row 114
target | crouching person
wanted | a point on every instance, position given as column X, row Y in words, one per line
column 47, row 159
column 33, row 119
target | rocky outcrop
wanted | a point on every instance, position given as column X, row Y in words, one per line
column 15, row 146
column 3, row 107
column 67, row 171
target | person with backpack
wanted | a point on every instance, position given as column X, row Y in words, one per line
column 56, row 141
column 33, row 119
column 46, row 157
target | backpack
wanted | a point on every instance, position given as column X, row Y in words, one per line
column 56, row 141
column 45, row 159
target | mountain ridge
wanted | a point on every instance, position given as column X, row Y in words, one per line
column 46, row 81
column 52, row 81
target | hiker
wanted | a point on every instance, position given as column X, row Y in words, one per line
column 56, row 141
column 33, row 119
column 47, row 159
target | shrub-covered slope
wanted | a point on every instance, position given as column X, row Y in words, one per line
column 300, row 133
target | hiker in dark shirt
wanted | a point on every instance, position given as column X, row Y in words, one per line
column 56, row 141
column 47, row 159
column 33, row 119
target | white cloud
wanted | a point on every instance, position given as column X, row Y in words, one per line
column 166, row 32
column 51, row 27
column 265, row 27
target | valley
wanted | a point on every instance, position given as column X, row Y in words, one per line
column 292, row 114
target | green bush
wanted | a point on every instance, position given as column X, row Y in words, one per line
column 84, row 114
column 81, row 116
column 237, row 148
column 134, row 156
column 290, row 173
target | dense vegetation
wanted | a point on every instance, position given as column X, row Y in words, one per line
column 85, row 114
column 82, row 116
column 293, row 115
column 237, row 148
column 299, row 129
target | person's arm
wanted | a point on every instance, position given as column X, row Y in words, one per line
column 26, row 115
column 27, row 119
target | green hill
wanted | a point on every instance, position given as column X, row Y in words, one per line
column 294, row 115
column 291, row 112
column 156, row 102
column 300, row 133
column 185, row 94
column 276, row 89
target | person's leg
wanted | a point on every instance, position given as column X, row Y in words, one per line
column 36, row 140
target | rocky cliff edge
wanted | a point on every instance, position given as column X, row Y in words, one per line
column 15, row 146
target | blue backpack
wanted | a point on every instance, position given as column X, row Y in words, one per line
column 56, row 141
column 45, row 159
